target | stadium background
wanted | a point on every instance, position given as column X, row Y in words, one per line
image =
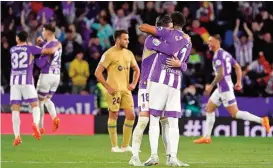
column 86, row 31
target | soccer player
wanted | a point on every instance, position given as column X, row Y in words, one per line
column 117, row 61
column 152, row 45
column 168, row 81
column 22, row 83
column 222, row 65
column 49, row 78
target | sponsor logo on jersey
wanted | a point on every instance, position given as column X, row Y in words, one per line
column 120, row 68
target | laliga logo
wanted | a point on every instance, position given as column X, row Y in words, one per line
column 81, row 108
column 231, row 130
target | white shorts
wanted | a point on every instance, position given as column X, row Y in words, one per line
column 47, row 84
column 164, row 98
column 27, row 92
column 227, row 98
column 143, row 100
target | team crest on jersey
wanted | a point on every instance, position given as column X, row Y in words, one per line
column 120, row 68
column 156, row 42
column 160, row 28
column 218, row 62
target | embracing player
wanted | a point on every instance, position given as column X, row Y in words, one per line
column 22, row 83
column 152, row 46
column 167, row 80
column 49, row 78
column 222, row 65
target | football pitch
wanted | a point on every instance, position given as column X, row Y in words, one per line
column 94, row 152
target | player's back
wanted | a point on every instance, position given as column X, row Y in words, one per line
column 224, row 59
column 148, row 57
column 53, row 64
column 182, row 48
column 22, row 64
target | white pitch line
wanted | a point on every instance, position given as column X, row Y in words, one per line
column 79, row 162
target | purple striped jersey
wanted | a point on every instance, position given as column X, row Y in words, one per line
column 152, row 46
column 50, row 64
column 223, row 59
column 181, row 48
column 22, row 58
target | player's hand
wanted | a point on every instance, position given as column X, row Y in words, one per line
column 238, row 86
column 131, row 87
column 111, row 91
column 173, row 62
column 39, row 40
column 208, row 89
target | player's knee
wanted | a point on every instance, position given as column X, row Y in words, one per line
column 232, row 109
column 34, row 104
column 15, row 107
column 130, row 116
column 41, row 98
column 113, row 115
column 144, row 114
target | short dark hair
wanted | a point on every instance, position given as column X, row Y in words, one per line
column 163, row 20
column 50, row 27
column 118, row 33
column 23, row 35
column 217, row 37
column 178, row 19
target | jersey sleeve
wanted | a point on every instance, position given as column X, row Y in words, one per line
column 169, row 49
column 35, row 50
column 219, row 62
column 105, row 60
column 133, row 60
column 41, row 61
column 161, row 32
column 233, row 61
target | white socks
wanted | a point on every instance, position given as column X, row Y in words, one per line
column 165, row 135
column 210, row 120
column 244, row 115
column 50, row 108
column 138, row 133
column 16, row 123
column 42, row 109
column 36, row 115
column 154, row 134
column 173, row 135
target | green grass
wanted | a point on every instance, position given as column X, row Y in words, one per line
column 94, row 152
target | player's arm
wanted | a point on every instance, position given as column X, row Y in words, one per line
column 238, row 71
column 146, row 28
column 219, row 75
column 153, row 43
column 51, row 50
column 104, row 64
column 182, row 64
column 41, row 61
column 136, row 74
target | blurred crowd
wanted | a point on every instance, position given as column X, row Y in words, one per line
column 86, row 31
